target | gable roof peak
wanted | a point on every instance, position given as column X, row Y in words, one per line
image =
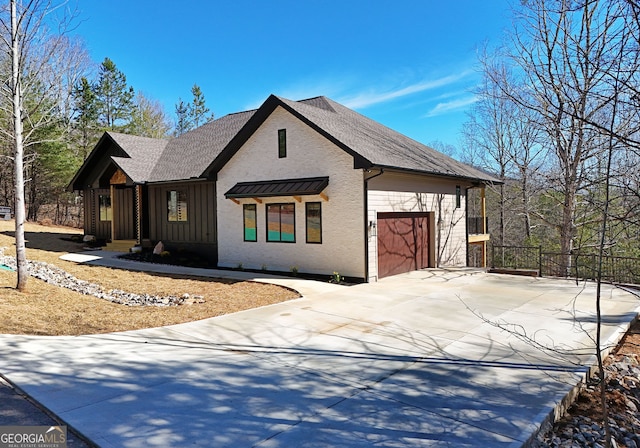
column 372, row 144
column 321, row 102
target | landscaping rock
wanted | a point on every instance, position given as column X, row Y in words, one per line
column 56, row 276
column 158, row 249
column 575, row 430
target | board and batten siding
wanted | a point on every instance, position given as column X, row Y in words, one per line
column 397, row 192
column 200, row 227
column 309, row 154
column 92, row 224
column 123, row 213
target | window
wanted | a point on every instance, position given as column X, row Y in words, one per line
column 104, row 204
column 250, row 227
column 281, row 223
column 177, row 206
column 313, row 218
column 282, row 143
column 457, row 196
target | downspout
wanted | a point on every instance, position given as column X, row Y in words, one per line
column 366, row 221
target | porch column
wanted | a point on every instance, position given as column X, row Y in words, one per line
column 483, row 204
column 138, row 200
column 112, row 192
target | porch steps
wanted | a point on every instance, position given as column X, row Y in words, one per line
column 120, row 245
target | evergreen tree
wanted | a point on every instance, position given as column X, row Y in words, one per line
column 191, row 115
column 183, row 124
column 86, row 116
column 198, row 109
column 114, row 98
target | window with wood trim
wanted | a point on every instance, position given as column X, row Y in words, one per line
column 282, row 143
column 104, row 207
column 458, row 195
column 249, row 215
column 281, row 223
column 313, row 222
column 177, row 206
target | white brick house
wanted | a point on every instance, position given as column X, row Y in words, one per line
column 310, row 186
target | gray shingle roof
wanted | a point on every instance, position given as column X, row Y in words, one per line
column 203, row 151
column 144, row 152
column 378, row 144
column 188, row 155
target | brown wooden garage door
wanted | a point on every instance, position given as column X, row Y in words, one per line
column 403, row 242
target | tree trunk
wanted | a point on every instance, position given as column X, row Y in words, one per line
column 567, row 231
column 525, row 207
column 501, row 239
column 21, row 256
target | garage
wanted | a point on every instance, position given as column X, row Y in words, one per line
column 403, row 242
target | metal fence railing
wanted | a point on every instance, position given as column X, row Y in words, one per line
column 624, row 270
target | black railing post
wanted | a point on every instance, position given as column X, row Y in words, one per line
column 540, row 260
column 493, row 256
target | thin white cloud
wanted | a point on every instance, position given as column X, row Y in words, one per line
column 300, row 90
column 370, row 98
column 335, row 87
column 450, row 106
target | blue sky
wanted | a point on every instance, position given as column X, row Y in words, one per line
column 410, row 65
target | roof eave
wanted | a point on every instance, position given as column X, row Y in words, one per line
column 487, row 181
column 72, row 185
column 119, row 166
column 241, row 137
column 262, row 113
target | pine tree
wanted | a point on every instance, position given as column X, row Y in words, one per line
column 183, row 123
column 86, row 115
column 191, row 115
column 114, row 98
column 198, row 109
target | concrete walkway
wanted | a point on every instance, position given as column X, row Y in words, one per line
column 110, row 259
column 431, row 358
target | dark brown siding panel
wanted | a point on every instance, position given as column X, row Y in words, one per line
column 200, row 225
column 101, row 229
column 155, row 214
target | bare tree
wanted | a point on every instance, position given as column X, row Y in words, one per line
column 149, row 118
column 33, row 54
column 16, row 95
column 578, row 63
column 554, row 44
column 503, row 139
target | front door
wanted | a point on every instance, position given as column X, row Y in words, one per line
column 124, row 222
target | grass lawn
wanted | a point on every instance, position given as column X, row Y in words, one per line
column 50, row 310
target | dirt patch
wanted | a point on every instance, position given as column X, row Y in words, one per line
column 630, row 344
column 50, row 310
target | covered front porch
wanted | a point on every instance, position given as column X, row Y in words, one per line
column 126, row 222
column 114, row 213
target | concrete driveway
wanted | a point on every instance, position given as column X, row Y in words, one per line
column 430, row 358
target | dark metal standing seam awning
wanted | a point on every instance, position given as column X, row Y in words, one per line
column 270, row 188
